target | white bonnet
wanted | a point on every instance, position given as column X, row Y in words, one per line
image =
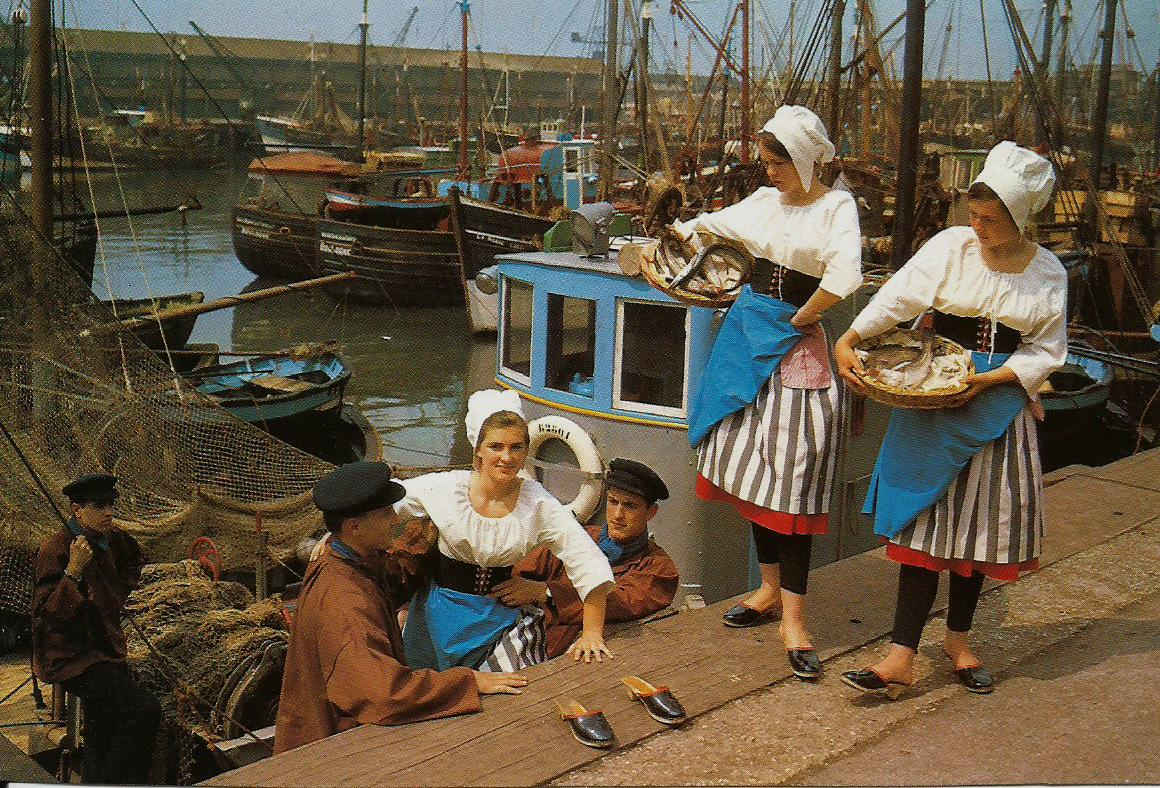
column 804, row 137
column 1022, row 178
column 484, row 403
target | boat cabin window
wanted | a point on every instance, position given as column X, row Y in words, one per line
column 651, row 353
column 517, row 329
column 571, row 344
column 571, row 160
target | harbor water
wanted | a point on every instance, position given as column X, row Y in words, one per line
column 412, row 369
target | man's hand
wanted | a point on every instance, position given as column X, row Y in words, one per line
column 79, row 555
column 590, row 646
column 519, row 591
column 499, row 683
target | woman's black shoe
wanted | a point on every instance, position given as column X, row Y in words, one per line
column 741, row 616
column 868, row 680
column 659, row 702
column 804, row 662
column 977, row 679
column 589, row 727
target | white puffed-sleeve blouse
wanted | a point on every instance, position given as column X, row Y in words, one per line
column 821, row 239
column 538, row 519
column 948, row 274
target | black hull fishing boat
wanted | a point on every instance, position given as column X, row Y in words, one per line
column 277, row 244
column 399, row 267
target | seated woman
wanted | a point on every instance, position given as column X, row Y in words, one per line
column 487, row 519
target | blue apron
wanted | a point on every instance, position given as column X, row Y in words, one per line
column 924, row 450
column 447, row 628
column 752, row 341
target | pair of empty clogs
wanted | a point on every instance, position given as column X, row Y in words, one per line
column 591, row 727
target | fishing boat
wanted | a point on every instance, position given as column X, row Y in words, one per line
column 482, row 230
column 162, row 329
column 1075, row 398
column 401, row 267
column 557, row 170
column 275, row 224
column 267, row 389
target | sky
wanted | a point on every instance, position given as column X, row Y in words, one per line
column 547, row 26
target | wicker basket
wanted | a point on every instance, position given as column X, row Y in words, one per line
column 918, row 400
column 675, row 248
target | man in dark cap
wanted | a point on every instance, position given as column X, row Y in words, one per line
column 84, row 574
column 646, row 577
column 345, row 665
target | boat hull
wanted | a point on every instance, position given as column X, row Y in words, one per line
column 395, row 266
column 276, row 244
column 483, row 230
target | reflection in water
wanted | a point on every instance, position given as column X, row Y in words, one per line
column 411, row 368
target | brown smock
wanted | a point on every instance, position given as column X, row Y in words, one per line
column 345, row 665
column 76, row 625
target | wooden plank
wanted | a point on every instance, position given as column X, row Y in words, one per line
column 850, row 602
column 1139, row 470
column 17, row 767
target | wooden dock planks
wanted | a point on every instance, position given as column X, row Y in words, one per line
column 519, row 740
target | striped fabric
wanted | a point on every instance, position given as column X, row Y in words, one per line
column 779, row 452
column 993, row 510
column 523, row 645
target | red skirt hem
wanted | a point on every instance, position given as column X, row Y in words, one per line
column 960, row 566
column 781, row 522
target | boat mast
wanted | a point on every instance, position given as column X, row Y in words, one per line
column 836, row 70
column 1156, row 117
column 1100, row 120
column 463, row 173
column 1048, row 33
column 609, row 93
column 908, row 143
column 40, row 124
column 362, row 83
column 744, row 81
column 1061, row 70
column 646, row 17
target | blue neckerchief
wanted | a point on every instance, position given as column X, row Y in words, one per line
column 616, row 552
column 100, row 541
column 344, row 551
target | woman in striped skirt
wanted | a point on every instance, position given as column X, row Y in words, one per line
column 774, row 460
column 960, row 489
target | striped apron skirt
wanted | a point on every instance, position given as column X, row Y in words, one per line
column 990, row 519
column 780, row 451
column 522, row 646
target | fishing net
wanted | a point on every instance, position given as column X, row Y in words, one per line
column 81, row 391
column 211, row 655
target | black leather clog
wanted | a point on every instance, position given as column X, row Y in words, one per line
column 868, row 680
column 742, row 616
column 977, row 679
column 659, row 702
column 805, row 663
column 590, row 728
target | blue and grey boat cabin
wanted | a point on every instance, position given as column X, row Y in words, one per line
column 616, row 363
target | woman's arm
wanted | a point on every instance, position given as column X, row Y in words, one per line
column 736, row 221
column 813, row 309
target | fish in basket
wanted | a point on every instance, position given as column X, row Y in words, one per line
column 909, row 368
column 708, row 273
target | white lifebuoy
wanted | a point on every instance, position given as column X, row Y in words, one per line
column 580, row 442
